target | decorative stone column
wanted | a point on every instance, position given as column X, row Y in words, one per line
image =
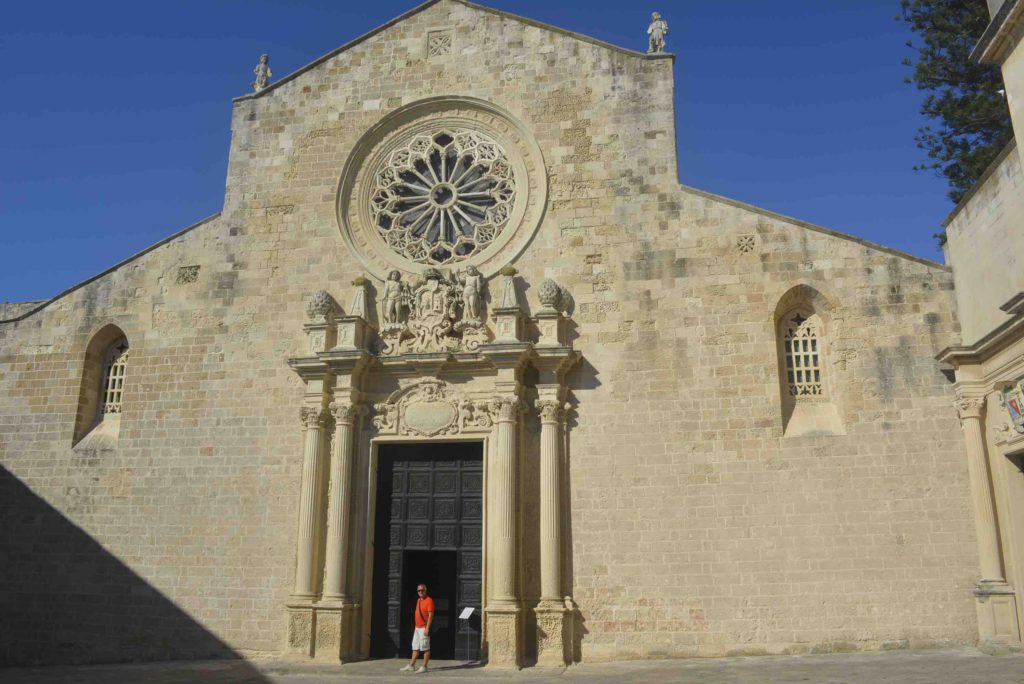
column 335, row 611
column 996, row 601
column 504, row 617
column 552, row 618
column 305, row 555
column 554, row 358
column 300, row 615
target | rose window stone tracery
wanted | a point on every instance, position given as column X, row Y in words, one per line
column 443, row 196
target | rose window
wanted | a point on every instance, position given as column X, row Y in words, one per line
column 443, row 196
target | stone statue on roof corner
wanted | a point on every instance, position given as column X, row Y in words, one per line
column 657, row 32
column 263, row 73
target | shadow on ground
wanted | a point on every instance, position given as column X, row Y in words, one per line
column 65, row 600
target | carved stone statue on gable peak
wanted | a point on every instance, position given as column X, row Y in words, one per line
column 263, row 73
column 656, row 33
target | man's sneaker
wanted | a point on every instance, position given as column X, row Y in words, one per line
column 408, row 668
column 421, row 670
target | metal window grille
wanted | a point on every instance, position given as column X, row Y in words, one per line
column 803, row 358
column 113, row 379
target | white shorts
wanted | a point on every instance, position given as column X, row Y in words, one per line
column 420, row 640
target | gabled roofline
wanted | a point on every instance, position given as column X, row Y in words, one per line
column 817, row 229
column 998, row 40
column 980, row 183
column 43, row 304
column 419, row 8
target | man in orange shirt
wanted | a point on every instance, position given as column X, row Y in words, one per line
column 421, row 635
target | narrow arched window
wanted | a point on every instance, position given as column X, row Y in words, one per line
column 113, row 378
column 801, row 350
column 105, row 376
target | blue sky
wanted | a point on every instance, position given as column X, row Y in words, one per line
column 115, row 115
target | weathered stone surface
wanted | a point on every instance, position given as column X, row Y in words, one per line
column 693, row 525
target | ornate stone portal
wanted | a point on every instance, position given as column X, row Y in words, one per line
column 433, row 330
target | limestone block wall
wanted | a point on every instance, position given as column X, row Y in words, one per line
column 984, row 243
column 697, row 527
column 194, row 502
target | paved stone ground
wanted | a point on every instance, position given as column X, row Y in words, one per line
column 964, row 666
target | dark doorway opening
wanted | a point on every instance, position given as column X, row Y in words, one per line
column 429, row 530
column 437, row 570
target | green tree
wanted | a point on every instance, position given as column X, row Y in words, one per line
column 971, row 119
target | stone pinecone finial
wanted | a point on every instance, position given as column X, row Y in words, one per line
column 321, row 306
column 550, row 295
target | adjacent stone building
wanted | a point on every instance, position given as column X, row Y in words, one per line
column 458, row 322
column 985, row 240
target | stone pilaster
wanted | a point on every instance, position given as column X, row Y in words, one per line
column 996, row 601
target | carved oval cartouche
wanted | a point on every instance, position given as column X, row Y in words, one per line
column 429, row 418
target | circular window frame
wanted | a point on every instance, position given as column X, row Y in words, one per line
column 393, row 131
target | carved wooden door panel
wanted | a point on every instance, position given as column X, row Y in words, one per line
column 429, row 528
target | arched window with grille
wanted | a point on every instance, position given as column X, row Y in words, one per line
column 807, row 389
column 802, row 353
column 105, row 377
column 113, row 378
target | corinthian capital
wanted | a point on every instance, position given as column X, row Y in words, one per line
column 506, row 409
column 312, row 417
column 969, row 407
column 346, row 413
column 551, row 411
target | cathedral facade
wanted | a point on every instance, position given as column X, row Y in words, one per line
column 459, row 323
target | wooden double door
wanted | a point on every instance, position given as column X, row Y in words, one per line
column 428, row 530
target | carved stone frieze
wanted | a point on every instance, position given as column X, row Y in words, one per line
column 432, row 408
column 433, row 314
column 475, row 416
column 385, row 419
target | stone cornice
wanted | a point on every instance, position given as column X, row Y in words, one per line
column 1006, row 334
column 1004, row 32
column 488, row 358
